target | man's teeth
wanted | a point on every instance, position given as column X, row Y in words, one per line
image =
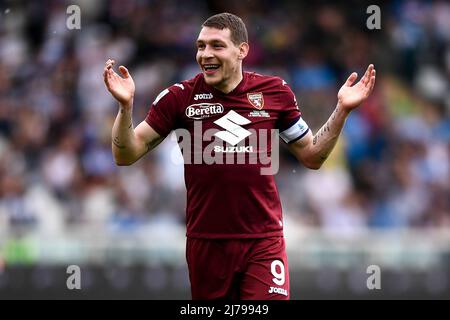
column 211, row 66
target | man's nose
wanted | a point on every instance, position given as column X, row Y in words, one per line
column 207, row 53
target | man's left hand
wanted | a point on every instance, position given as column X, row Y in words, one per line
column 351, row 96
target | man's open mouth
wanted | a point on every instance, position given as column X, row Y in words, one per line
column 210, row 68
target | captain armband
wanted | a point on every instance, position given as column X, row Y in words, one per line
column 295, row 132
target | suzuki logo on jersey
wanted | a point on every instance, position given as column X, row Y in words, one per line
column 233, row 145
column 232, row 123
column 233, row 149
column 256, row 99
column 203, row 110
column 203, row 96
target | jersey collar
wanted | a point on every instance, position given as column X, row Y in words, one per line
column 238, row 89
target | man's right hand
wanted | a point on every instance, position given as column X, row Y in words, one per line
column 121, row 88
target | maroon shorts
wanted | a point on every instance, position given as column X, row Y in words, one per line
column 255, row 269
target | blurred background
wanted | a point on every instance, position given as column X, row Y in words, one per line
column 382, row 198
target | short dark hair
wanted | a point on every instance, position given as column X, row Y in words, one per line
column 234, row 23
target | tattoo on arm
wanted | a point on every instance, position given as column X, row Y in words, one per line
column 324, row 150
column 334, row 113
column 321, row 132
column 325, row 128
column 117, row 143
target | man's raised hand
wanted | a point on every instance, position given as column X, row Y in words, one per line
column 121, row 88
column 349, row 97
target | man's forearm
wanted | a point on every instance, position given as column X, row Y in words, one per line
column 325, row 139
column 123, row 137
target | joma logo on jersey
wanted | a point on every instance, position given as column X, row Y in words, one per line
column 203, row 110
column 232, row 123
column 203, row 96
column 278, row 290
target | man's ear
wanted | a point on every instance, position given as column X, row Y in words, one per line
column 243, row 50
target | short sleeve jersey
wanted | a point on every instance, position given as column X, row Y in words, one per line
column 226, row 140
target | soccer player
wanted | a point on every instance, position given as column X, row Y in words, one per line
column 235, row 247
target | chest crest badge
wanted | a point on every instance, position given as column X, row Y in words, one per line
column 256, row 100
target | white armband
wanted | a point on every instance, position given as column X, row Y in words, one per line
column 296, row 132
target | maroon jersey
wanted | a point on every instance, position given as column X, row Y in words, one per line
column 227, row 196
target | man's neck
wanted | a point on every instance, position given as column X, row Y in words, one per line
column 231, row 85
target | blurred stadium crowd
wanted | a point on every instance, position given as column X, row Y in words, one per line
column 391, row 168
